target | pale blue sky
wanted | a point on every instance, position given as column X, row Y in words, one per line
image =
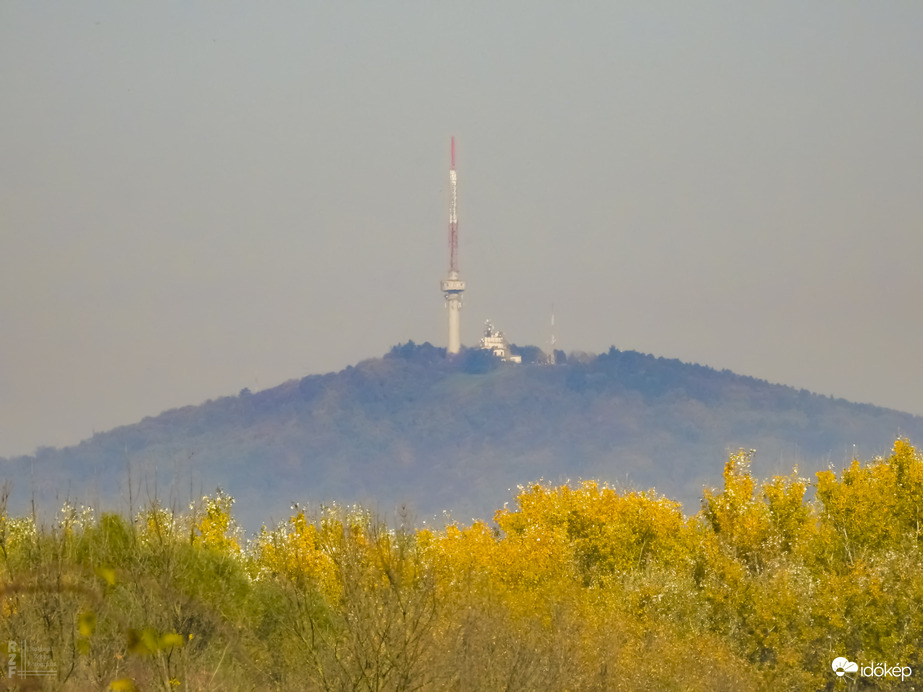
column 197, row 197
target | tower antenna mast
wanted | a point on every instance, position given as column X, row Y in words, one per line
column 453, row 214
column 452, row 286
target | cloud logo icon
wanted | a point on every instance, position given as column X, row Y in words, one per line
column 841, row 666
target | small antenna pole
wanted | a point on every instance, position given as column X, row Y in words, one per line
column 552, row 358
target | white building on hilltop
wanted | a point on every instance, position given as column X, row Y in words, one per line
column 494, row 341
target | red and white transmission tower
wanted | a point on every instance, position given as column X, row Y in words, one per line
column 452, row 286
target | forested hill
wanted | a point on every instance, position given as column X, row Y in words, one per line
column 460, row 434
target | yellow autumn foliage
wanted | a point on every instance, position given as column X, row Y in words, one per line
column 215, row 528
column 294, row 552
column 571, row 587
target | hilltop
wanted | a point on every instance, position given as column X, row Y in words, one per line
column 458, row 435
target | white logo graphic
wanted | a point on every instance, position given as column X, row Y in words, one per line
column 841, row 666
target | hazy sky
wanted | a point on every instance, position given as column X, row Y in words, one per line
column 197, row 197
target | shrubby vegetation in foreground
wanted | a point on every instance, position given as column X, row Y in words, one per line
column 576, row 587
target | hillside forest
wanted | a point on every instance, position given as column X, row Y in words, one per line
column 458, row 435
column 572, row 587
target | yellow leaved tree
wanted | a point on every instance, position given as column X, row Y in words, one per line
column 213, row 526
